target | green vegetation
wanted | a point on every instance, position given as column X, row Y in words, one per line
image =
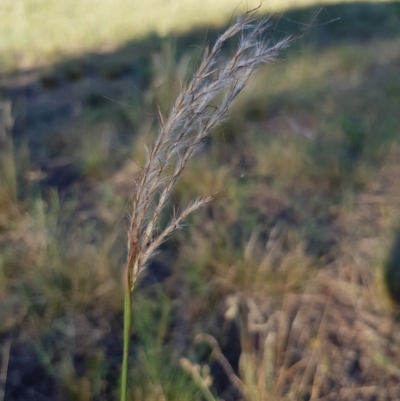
column 274, row 290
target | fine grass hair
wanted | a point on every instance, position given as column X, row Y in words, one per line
column 202, row 105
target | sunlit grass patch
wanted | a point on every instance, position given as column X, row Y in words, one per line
column 41, row 32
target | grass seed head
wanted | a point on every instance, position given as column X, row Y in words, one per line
column 197, row 111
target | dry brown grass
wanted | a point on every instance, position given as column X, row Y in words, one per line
column 336, row 337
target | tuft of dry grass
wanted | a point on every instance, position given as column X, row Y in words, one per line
column 336, row 336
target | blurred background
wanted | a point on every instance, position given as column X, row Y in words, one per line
column 285, row 287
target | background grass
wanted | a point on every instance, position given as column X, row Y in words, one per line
column 39, row 32
column 284, row 269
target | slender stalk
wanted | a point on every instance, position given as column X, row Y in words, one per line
column 127, row 332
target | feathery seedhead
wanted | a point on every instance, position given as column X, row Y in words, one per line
column 191, row 120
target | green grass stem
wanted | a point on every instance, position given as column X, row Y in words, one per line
column 127, row 332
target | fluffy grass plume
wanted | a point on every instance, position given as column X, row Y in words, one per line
column 191, row 120
column 198, row 109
